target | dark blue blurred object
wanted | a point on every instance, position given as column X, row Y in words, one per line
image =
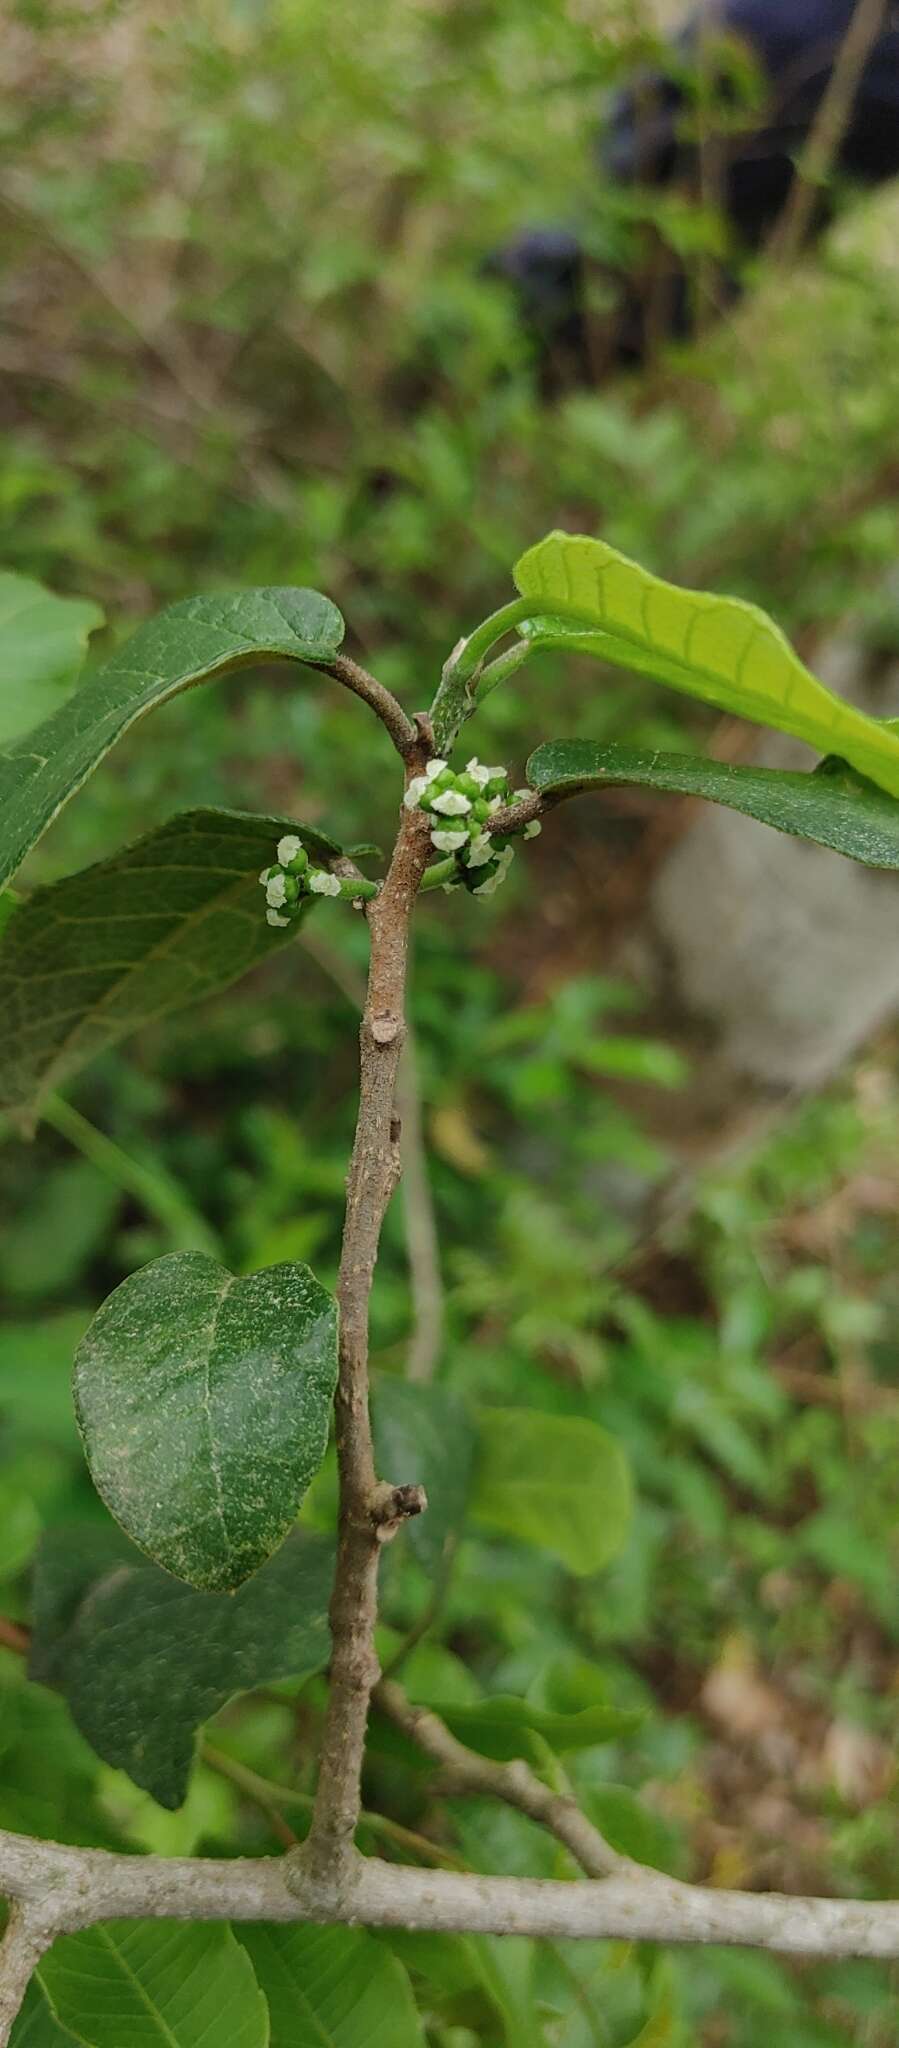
column 795, row 44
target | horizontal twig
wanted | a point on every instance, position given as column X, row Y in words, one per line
column 64, row 1889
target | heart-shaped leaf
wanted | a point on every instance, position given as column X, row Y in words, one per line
column 160, row 924
column 720, row 649
column 43, row 638
column 190, row 643
column 833, row 806
column 143, row 1661
column 203, row 1402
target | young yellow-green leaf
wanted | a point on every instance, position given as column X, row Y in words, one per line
column 155, row 1984
column 720, row 649
column 190, row 643
column 556, row 1481
column 160, row 924
column 43, row 640
column 833, row 806
column 332, row 1987
column 143, row 1661
column 203, row 1403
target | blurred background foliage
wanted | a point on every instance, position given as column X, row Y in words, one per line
column 246, row 338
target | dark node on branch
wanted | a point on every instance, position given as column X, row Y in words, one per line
column 393, row 1505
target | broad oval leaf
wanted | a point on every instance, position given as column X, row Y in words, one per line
column 332, row 1987
column 143, row 1661
column 833, row 806
column 556, row 1481
column 203, row 1402
column 160, row 924
column 155, row 1984
column 190, row 643
column 720, row 649
column 44, row 640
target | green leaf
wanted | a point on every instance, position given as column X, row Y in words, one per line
column 36, row 2026
column 162, row 923
column 43, row 640
column 631, row 1827
column 20, row 1527
column 190, row 643
column 155, row 1984
column 68, row 1562
column 144, row 1661
column 332, row 1987
column 832, row 806
column 424, row 1436
column 204, row 1403
column 719, row 649
column 505, row 1727
column 557, row 1481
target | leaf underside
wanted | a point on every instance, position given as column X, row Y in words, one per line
column 160, row 924
column 719, row 649
column 832, row 806
column 204, row 1403
column 190, row 643
column 144, row 1661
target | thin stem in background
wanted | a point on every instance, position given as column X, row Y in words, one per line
column 823, row 146
column 150, row 1185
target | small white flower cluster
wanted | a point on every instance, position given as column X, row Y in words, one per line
column 461, row 804
column 292, row 878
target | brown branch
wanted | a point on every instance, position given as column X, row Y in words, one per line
column 422, row 1243
column 513, row 817
column 270, row 1798
column 516, row 1784
column 822, row 148
column 368, row 1513
column 404, row 734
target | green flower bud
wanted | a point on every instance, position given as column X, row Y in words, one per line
column 480, row 810
column 469, row 786
column 497, row 785
column 447, row 779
